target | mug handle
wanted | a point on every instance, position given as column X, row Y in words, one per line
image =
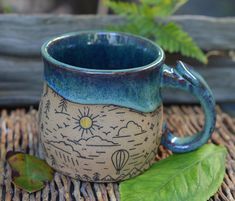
column 185, row 78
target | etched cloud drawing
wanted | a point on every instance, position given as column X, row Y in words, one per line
column 94, row 141
column 130, row 129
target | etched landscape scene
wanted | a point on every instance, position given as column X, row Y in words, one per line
column 97, row 142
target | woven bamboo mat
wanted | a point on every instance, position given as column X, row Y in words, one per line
column 18, row 131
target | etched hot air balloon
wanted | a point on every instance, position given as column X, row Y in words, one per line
column 119, row 159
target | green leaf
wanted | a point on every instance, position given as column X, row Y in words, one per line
column 173, row 39
column 28, row 172
column 194, row 176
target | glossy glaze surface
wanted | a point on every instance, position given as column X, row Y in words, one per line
column 186, row 78
column 88, row 75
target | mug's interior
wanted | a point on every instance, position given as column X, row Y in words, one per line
column 109, row 51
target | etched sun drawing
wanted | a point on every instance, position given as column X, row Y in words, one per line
column 85, row 121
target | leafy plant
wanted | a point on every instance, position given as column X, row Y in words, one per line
column 146, row 19
column 28, row 172
column 5, row 8
column 194, row 176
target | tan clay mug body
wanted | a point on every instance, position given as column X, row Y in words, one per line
column 101, row 113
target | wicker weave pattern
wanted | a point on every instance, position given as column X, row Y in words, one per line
column 18, row 131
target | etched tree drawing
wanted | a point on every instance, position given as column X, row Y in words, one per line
column 47, row 108
column 86, row 177
column 62, row 108
column 96, row 176
column 53, row 161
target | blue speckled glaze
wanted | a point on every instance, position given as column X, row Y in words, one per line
column 105, row 68
column 185, row 78
column 124, row 70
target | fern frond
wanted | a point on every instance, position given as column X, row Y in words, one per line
column 173, row 39
column 147, row 8
column 122, row 8
column 162, row 8
column 141, row 20
column 139, row 26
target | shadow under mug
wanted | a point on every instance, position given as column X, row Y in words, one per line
column 100, row 115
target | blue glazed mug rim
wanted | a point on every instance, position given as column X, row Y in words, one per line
column 156, row 63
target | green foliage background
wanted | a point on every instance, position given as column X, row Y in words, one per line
column 146, row 19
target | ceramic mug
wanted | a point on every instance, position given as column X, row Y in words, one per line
column 101, row 111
